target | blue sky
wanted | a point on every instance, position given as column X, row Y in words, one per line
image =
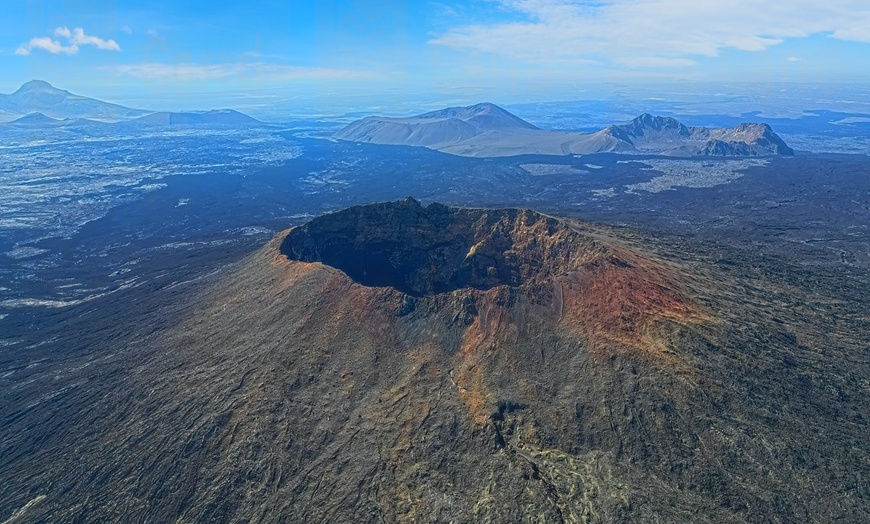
column 494, row 49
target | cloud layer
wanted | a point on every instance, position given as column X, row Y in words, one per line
column 655, row 33
column 257, row 71
column 72, row 42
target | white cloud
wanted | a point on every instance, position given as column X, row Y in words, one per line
column 46, row 44
column 656, row 62
column 247, row 71
column 795, row 59
column 75, row 39
column 80, row 38
column 671, row 32
column 127, row 29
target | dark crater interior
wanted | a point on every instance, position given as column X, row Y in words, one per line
column 436, row 249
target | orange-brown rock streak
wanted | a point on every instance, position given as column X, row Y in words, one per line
column 493, row 328
column 629, row 302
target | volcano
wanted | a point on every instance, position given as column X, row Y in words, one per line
column 399, row 363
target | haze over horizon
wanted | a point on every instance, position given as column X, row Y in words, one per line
column 393, row 52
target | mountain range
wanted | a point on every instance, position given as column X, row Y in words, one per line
column 38, row 96
column 481, row 130
column 486, row 130
column 39, row 104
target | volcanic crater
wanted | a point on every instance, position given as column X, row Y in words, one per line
column 438, row 249
column 493, row 270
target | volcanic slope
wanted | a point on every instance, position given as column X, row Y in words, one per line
column 402, row 363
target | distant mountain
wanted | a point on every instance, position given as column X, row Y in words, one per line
column 214, row 117
column 39, row 121
column 668, row 136
column 36, row 120
column 483, row 117
column 486, row 130
column 38, row 96
column 39, row 104
column 437, row 129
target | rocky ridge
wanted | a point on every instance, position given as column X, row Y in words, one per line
column 655, row 134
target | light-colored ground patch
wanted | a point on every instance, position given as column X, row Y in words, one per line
column 692, row 173
column 552, row 169
column 21, row 252
column 249, row 231
column 851, row 145
column 328, row 180
column 610, row 192
column 852, row 120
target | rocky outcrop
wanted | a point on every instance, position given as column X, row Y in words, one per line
column 655, row 134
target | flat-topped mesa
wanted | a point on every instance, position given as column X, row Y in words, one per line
column 437, row 249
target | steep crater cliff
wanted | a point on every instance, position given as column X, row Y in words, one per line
column 436, row 249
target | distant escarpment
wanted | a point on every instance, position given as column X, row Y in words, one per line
column 402, row 363
column 486, row 130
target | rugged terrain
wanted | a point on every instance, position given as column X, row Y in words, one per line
column 486, row 130
column 395, row 362
column 655, row 134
